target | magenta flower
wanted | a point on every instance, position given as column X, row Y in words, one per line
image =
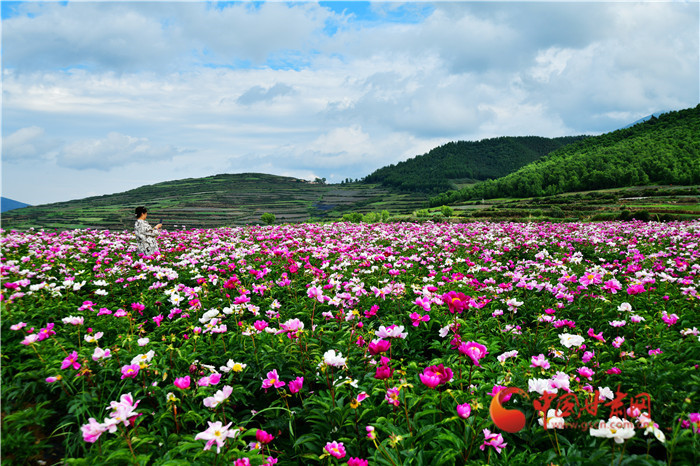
column 335, row 449
column 272, row 380
column 370, row 433
column 296, row 384
column 130, row 371
column 493, row 440
column 635, row 289
column 182, row 382
column 260, row 325
column 383, row 372
column 464, row 410
column 476, row 351
column 263, row 437
column 158, row 319
column 417, row 318
column 430, row 380
column 599, row 336
column 71, row 361
column 586, row 372
column 357, row 462
column 379, row 346
column 618, row 341
column 654, row 352
column 614, row 370
column 456, row 302
column 669, row 319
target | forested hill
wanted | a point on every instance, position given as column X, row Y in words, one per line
column 489, row 158
column 663, row 150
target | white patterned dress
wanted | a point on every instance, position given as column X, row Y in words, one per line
column 146, row 236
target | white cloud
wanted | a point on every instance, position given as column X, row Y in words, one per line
column 309, row 90
column 114, row 150
column 27, row 144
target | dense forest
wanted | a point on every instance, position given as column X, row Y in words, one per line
column 663, row 150
column 482, row 160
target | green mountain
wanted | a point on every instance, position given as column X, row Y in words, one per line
column 442, row 168
column 663, row 150
column 215, row 201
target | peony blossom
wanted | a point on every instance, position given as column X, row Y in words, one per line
column 330, row 358
column 493, row 440
column 71, row 361
column 217, row 434
column 476, row 351
column 464, row 410
column 182, row 382
column 296, row 385
column 335, row 449
column 272, row 380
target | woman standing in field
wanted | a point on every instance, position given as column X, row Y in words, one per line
column 145, row 233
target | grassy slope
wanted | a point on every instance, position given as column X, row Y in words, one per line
column 215, row 201
column 659, row 151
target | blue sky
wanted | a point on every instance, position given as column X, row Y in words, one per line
column 101, row 97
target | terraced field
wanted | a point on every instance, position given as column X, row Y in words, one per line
column 221, row 200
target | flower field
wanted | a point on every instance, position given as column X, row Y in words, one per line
column 354, row 344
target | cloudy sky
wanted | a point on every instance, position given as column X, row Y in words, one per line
column 101, row 97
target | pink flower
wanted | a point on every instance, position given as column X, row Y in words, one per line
column 540, row 361
column 240, row 461
column 417, row 318
column 587, row 356
column 158, row 319
column 430, row 380
column 493, row 440
column 614, row 370
column 71, row 361
column 456, row 302
column 654, row 352
column 436, row 375
column 635, row 289
column 263, row 437
column 357, row 462
column 296, row 384
column 182, row 382
column 612, row 286
column 669, row 319
column 92, row 430
column 212, row 379
column 392, row 396
column 130, row 371
column 599, row 336
column 370, row 433
column 18, row 326
column 217, row 434
column 618, row 341
column 585, row 372
column 379, row 346
column 383, row 372
column 464, row 410
column 260, row 325
column 476, row 351
column 272, row 380
column 335, row 449
column 591, row 278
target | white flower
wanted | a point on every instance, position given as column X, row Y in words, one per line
column 93, row 338
column 142, row 341
column 555, row 419
column 569, row 340
column 143, row 358
column 616, row 428
column 625, row 307
column 207, row 316
column 605, row 393
column 233, row 366
column 331, row 359
column 99, row 353
column 540, row 386
column 219, row 397
column 507, row 354
column 73, row 320
column 444, row 331
column 101, row 292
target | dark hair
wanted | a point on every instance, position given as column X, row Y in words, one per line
column 140, row 210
